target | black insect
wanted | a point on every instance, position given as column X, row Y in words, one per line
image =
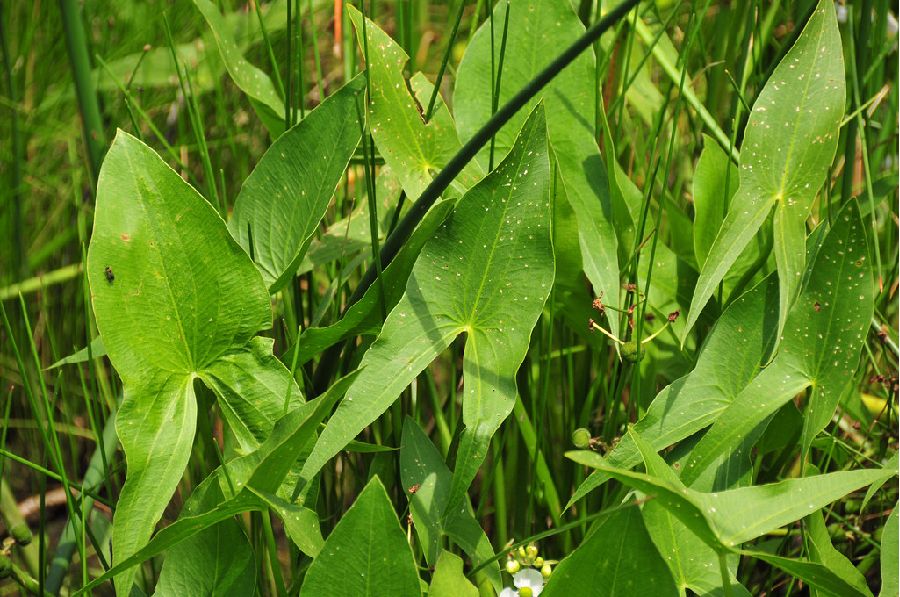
column 109, row 274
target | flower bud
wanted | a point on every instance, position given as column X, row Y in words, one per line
column 513, row 566
column 532, row 551
column 581, row 438
column 546, row 570
column 538, row 562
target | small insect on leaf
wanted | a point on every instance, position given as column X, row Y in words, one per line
column 414, row 488
column 109, row 274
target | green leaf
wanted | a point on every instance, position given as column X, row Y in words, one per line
column 537, row 31
column 217, row 561
column 726, row 519
column 97, row 350
column 486, row 272
column 823, row 552
column 448, row 579
column 616, row 558
column 789, row 142
column 421, row 466
column 301, row 525
column 249, row 79
column 890, row 554
column 693, row 563
column 246, row 484
column 715, row 183
column 819, row 348
column 184, row 528
column 366, row 553
column 181, row 295
column 364, row 317
column 415, row 150
column 285, row 197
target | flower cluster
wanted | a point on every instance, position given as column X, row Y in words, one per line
column 528, row 571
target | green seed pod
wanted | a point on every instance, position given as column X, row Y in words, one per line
column 581, row 438
column 5, row 566
column 630, row 352
column 21, row 533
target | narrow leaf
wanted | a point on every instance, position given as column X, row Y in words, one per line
column 285, row 197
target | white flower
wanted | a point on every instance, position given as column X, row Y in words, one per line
column 529, row 579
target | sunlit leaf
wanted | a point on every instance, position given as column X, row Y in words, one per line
column 172, row 293
column 414, row 149
column 366, row 553
column 249, row 79
column 536, row 32
column 819, row 348
column 789, row 142
column 486, row 273
column 285, row 197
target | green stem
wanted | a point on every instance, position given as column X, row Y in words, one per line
column 726, row 576
column 79, row 58
column 444, row 60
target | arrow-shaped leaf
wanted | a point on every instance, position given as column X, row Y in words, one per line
column 486, row 272
column 789, row 142
column 172, row 293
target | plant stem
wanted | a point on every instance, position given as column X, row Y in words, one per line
column 79, row 58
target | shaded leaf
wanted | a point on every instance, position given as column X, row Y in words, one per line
column 423, row 468
column 889, row 557
column 216, row 561
column 815, row 575
column 449, row 580
column 730, row 358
